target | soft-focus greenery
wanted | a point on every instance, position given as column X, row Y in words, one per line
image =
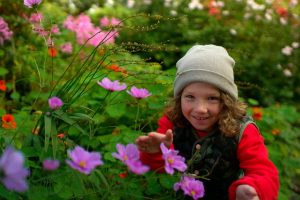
column 150, row 41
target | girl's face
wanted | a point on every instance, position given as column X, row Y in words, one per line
column 201, row 105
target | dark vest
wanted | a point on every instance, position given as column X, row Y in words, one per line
column 212, row 157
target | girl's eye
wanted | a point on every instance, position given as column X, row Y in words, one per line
column 215, row 99
column 189, row 96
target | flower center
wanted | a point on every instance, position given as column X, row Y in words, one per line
column 170, row 160
column 193, row 193
column 82, row 164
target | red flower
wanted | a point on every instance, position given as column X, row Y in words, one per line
column 61, row 135
column 2, row 85
column 282, row 12
column 116, row 68
column 123, row 175
column 52, row 52
column 8, row 122
column 257, row 113
column 7, row 118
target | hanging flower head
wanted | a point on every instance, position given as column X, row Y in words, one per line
column 13, row 173
column 172, row 160
column 55, row 103
column 32, row 3
column 139, row 93
column 111, row 85
column 84, row 161
column 129, row 155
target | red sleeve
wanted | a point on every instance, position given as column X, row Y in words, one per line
column 259, row 171
column 155, row 160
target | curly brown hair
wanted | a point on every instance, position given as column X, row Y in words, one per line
column 230, row 117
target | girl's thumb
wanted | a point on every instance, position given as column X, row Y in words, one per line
column 169, row 135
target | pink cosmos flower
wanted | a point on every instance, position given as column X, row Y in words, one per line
column 112, row 85
column 5, row 33
column 55, row 103
column 32, row 3
column 190, row 187
column 129, row 155
column 139, row 93
column 84, row 161
column 50, row 164
column 172, row 160
column 13, row 173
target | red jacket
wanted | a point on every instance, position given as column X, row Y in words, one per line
column 259, row 171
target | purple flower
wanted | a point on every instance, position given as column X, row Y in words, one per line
column 13, row 171
column 129, row 155
column 139, row 93
column 190, row 187
column 137, row 167
column 32, row 3
column 172, row 160
column 5, row 33
column 50, row 164
column 55, row 103
column 84, row 161
column 111, row 85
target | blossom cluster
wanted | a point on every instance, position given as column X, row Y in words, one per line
column 5, row 32
column 86, row 31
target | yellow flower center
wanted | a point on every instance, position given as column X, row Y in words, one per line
column 82, row 164
column 170, row 160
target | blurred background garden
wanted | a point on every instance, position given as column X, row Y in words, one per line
column 66, row 48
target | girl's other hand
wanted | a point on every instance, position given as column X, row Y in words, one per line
column 246, row 192
column 151, row 143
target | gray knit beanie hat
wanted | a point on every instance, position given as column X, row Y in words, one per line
column 206, row 63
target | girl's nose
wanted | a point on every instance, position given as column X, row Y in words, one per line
column 200, row 107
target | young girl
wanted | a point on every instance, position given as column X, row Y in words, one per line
column 208, row 125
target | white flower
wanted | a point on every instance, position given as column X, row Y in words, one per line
column 130, row 3
column 295, row 45
column 233, row 31
column 287, row 50
column 195, row 4
column 287, row 72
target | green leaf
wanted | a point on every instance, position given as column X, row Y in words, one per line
column 116, row 111
column 167, row 181
column 3, row 71
column 50, row 132
column 15, row 96
column 47, row 131
column 67, row 119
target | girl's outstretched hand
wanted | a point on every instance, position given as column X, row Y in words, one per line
column 246, row 192
column 151, row 143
